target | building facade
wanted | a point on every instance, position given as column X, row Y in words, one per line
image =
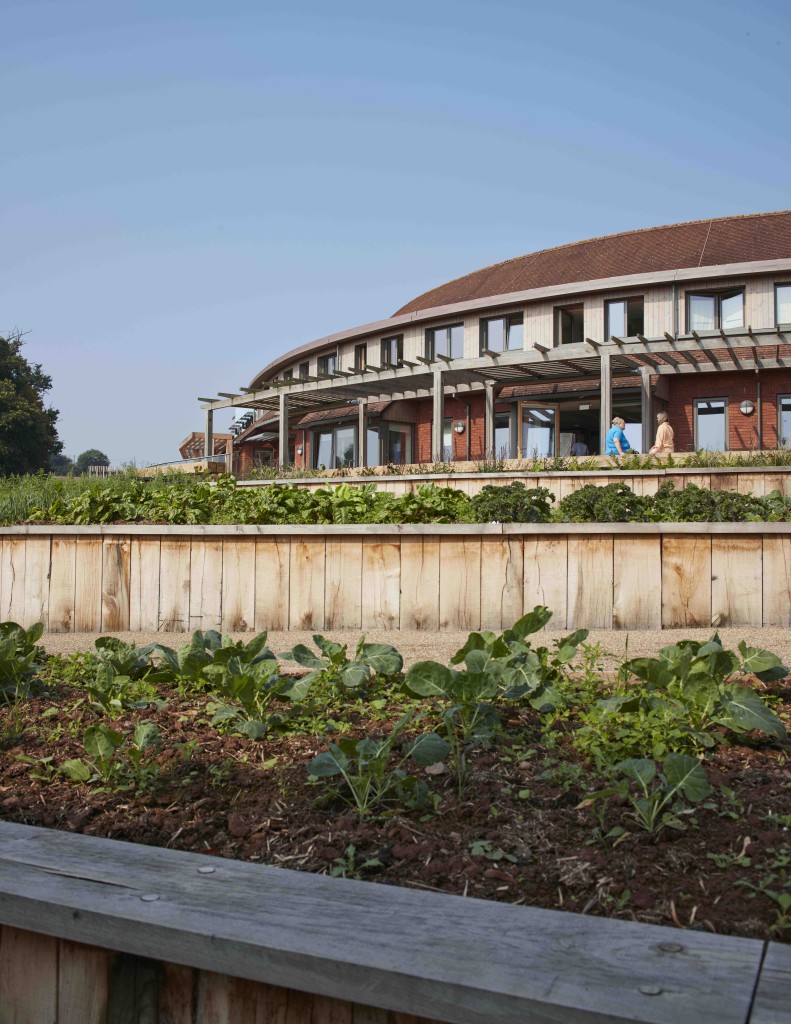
column 535, row 355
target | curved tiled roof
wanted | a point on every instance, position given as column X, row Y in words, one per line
column 702, row 243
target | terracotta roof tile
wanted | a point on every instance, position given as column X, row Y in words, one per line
column 704, row 243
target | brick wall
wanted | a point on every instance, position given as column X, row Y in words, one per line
column 735, row 387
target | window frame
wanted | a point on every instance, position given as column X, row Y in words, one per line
column 558, row 312
column 778, row 285
column 288, row 374
column 333, row 355
column 483, row 330
column 333, row 429
column 384, row 344
column 781, row 398
column 625, row 299
column 431, row 345
column 361, row 365
column 304, row 370
column 716, row 294
column 713, row 398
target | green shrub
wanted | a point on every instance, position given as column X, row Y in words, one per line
column 512, row 503
column 614, row 503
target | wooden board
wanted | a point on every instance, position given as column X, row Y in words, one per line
column 272, row 582
column 82, row 983
column 502, row 581
column 306, row 591
column 777, row 482
column 776, row 581
column 343, row 583
column 381, row 583
column 590, row 576
column 14, row 557
column 686, row 581
column 88, row 585
column 546, row 577
column 751, row 483
column 176, row 994
column 144, row 584
column 724, row 481
column 460, row 583
column 637, row 589
column 238, row 584
column 174, row 585
column 37, row 561
column 773, row 995
column 736, row 590
column 115, row 583
column 206, row 583
column 420, row 582
column 61, row 585
column 28, row 977
column 279, row 927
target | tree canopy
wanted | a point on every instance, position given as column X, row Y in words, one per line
column 28, row 436
column 91, row 457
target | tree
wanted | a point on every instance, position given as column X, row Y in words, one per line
column 61, row 465
column 28, row 437
column 92, row 457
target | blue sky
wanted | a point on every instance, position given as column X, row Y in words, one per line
column 189, row 188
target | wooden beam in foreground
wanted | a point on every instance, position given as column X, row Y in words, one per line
column 438, row 956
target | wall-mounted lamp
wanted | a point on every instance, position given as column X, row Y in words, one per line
column 299, row 449
column 746, row 408
column 459, row 428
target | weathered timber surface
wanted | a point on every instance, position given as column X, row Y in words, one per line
column 594, row 575
column 429, row 956
column 772, row 1003
column 746, row 480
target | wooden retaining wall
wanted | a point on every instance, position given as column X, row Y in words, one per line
column 460, row 577
column 745, row 480
column 95, row 931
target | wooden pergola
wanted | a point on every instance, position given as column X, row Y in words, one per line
column 639, row 357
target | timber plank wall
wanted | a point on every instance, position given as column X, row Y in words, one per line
column 94, row 931
column 746, row 480
column 458, row 577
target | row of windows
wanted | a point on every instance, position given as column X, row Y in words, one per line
column 624, row 318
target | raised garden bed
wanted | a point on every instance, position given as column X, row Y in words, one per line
column 179, row 758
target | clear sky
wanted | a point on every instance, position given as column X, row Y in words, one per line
column 190, row 187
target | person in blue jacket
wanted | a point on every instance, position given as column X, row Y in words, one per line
column 617, row 443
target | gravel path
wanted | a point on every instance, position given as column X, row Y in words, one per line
column 416, row 646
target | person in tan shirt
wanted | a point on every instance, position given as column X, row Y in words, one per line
column 663, row 445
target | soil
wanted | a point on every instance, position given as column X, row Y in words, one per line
column 517, row 832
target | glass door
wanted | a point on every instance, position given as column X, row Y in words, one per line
column 537, row 430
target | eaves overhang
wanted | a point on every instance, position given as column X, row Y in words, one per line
column 390, row 324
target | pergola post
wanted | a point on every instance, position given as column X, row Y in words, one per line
column 208, row 434
column 488, row 422
column 605, row 402
column 438, row 416
column 362, row 432
column 646, row 407
column 283, row 429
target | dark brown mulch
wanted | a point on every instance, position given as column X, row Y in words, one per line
column 516, row 834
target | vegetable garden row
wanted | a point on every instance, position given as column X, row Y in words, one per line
column 519, row 772
column 220, row 501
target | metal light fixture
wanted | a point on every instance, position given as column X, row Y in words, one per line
column 746, row 408
column 299, row 449
column 459, row 428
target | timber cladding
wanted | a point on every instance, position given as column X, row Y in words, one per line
column 94, row 931
column 465, row 577
column 745, row 480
